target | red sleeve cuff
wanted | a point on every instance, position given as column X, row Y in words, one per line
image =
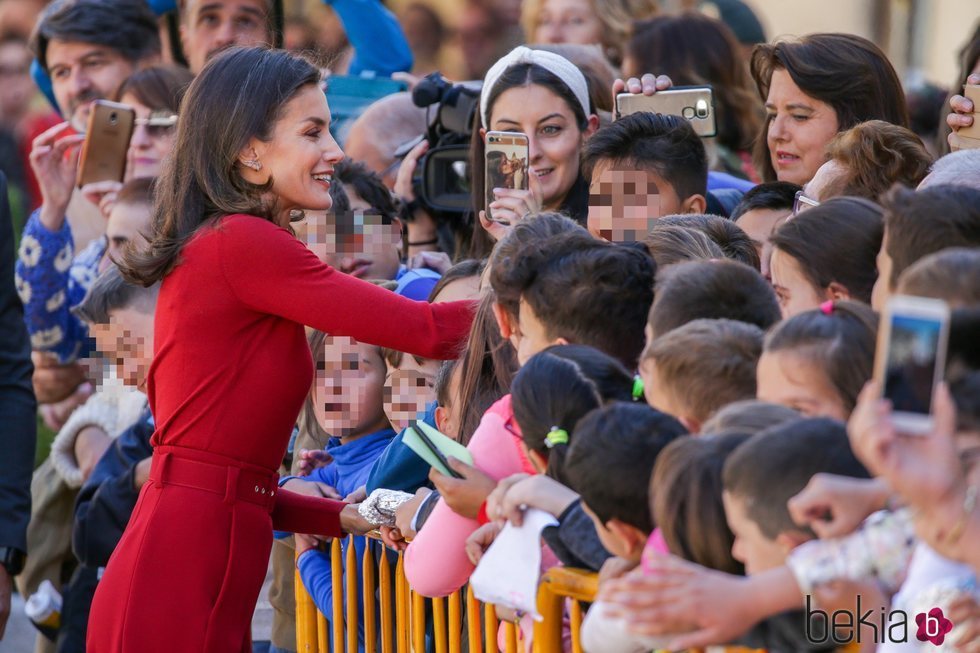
column 481, row 516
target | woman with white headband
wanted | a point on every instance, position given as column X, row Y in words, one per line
column 544, row 96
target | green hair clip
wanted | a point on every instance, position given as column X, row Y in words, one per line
column 556, row 436
column 637, row 387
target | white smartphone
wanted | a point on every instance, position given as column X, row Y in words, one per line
column 911, row 358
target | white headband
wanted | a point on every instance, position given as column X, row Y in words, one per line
column 555, row 64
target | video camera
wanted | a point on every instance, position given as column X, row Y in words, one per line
column 442, row 178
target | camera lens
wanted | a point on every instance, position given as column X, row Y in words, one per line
column 702, row 108
column 113, row 118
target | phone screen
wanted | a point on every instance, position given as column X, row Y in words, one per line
column 506, row 164
column 911, row 363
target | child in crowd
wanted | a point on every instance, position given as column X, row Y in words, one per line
column 734, row 242
column 758, row 479
column 827, row 253
column 712, row 290
column 673, row 244
column 748, row 416
column 818, row 361
column 761, row 210
column 566, row 289
column 643, row 166
column 700, row 367
column 551, row 393
column 685, row 499
column 920, row 223
column 347, row 398
column 950, row 274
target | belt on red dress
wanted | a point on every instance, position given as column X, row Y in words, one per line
column 233, row 483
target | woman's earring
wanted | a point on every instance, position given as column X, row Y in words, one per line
column 254, row 164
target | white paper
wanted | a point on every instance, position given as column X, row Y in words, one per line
column 509, row 571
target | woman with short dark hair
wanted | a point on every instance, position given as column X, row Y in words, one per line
column 232, row 366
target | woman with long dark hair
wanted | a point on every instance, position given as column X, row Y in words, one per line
column 232, row 366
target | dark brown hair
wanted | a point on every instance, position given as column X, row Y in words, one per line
column 707, row 364
column 874, row 156
column 840, row 341
column 848, row 72
column 748, row 416
column 487, row 367
column 158, row 87
column 694, row 50
column 918, row 223
column 711, row 289
column 685, row 500
column 731, row 238
column 837, row 241
column 952, row 275
column 239, row 95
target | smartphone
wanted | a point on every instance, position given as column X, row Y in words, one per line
column 431, row 446
column 110, row 127
column 694, row 103
column 911, row 358
column 506, row 165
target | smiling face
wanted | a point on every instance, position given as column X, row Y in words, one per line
column 554, row 138
column 347, row 395
column 794, row 380
column 299, row 157
column 568, row 21
column 208, row 26
column 149, row 145
column 798, row 131
column 82, row 73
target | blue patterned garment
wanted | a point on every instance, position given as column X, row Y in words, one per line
column 50, row 282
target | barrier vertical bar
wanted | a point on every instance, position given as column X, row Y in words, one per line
column 575, row 619
column 387, row 604
column 402, row 618
column 337, row 586
column 439, row 624
column 490, row 629
column 455, row 622
column 472, row 621
column 350, row 585
column 305, row 617
column 368, row 590
column 418, row 622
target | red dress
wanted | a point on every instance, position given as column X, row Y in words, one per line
column 229, row 376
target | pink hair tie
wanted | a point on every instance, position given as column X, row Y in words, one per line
column 827, row 307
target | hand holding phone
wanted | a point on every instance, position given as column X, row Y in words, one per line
column 110, row 128
column 911, row 359
column 507, row 166
column 696, row 104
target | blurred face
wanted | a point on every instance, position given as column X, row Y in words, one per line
column 882, row 289
column 348, row 388
column 208, row 26
column 798, row 131
column 299, row 157
column 656, row 392
column 82, row 73
column 624, row 202
column 793, row 290
column 751, row 547
column 448, row 417
column 568, row 21
column 128, row 223
column 534, row 335
column 409, row 388
column 127, row 341
column 794, row 380
column 759, row 225
column 554, row 139
column 151, row 142
column 16, row 86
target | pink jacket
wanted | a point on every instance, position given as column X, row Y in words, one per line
column 436, row 562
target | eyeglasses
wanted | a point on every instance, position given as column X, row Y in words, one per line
column 801, row 202
column 160, row 123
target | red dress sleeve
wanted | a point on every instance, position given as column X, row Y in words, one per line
column 298, row 513
column 270, row 271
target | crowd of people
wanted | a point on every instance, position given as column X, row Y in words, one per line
column 665, row 341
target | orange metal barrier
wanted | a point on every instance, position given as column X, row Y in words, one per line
column 395, row 617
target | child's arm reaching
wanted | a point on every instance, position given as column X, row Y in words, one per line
column 517, row 493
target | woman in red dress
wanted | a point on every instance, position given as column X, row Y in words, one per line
column 231, row 365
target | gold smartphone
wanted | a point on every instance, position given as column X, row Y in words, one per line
column 110, row 128
column 507, row 164
column 696, row 104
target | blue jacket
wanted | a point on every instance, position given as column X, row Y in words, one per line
column 398, row 467
column 348, row 471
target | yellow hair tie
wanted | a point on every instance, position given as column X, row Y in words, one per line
column 556, row 436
